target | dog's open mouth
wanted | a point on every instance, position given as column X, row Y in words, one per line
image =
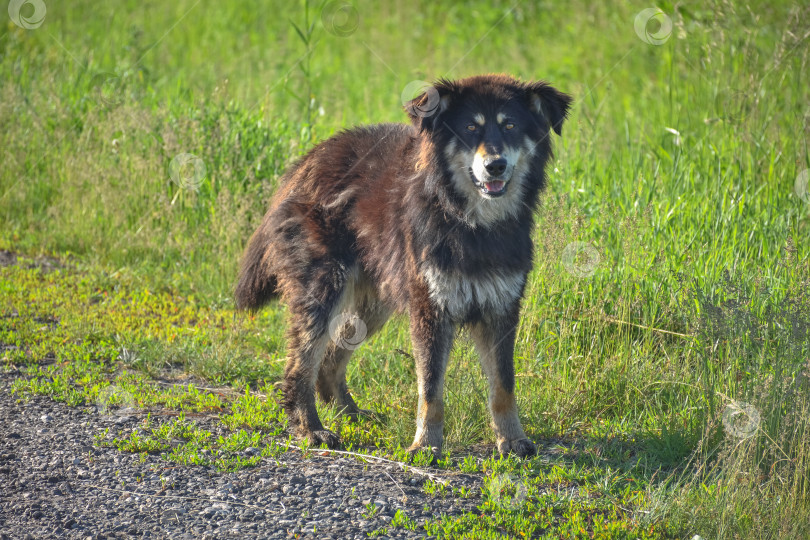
column 494, row 187
column 491, row 188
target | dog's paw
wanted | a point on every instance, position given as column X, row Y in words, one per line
column 324, row 436
column 520, row 447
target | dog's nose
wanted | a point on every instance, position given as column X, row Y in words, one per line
column 495, row 166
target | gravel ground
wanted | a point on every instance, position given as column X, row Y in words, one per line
column 56, row 483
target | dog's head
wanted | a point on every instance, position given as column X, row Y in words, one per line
column 492, row 133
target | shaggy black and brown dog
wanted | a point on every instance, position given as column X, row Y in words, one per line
column 433, row 219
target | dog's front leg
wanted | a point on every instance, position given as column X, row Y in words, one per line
column 432, row 336
column 495, row 342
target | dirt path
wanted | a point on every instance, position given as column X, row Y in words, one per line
column 58, row 484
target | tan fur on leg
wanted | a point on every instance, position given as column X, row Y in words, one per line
column 492, row 354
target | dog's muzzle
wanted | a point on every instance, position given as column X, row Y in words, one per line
column 491, row 174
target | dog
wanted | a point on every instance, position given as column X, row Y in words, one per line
column 433, row 219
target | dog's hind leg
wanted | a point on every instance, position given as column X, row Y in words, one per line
column 356, row 329
column 308, row 343
column 331, row 383
column 495, row 342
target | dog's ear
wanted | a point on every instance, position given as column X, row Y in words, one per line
column 425, row 109
column 549, row 103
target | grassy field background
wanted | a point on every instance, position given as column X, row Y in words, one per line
column 664, row 368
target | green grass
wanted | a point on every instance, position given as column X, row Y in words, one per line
column 678, row 166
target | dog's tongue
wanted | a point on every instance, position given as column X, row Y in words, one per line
column 494, row 186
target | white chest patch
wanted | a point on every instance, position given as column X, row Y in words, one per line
column 455, row 293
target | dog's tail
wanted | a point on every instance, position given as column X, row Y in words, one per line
column 257, row 284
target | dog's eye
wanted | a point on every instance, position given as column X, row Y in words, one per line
column 509, row 125
column 471, row 127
